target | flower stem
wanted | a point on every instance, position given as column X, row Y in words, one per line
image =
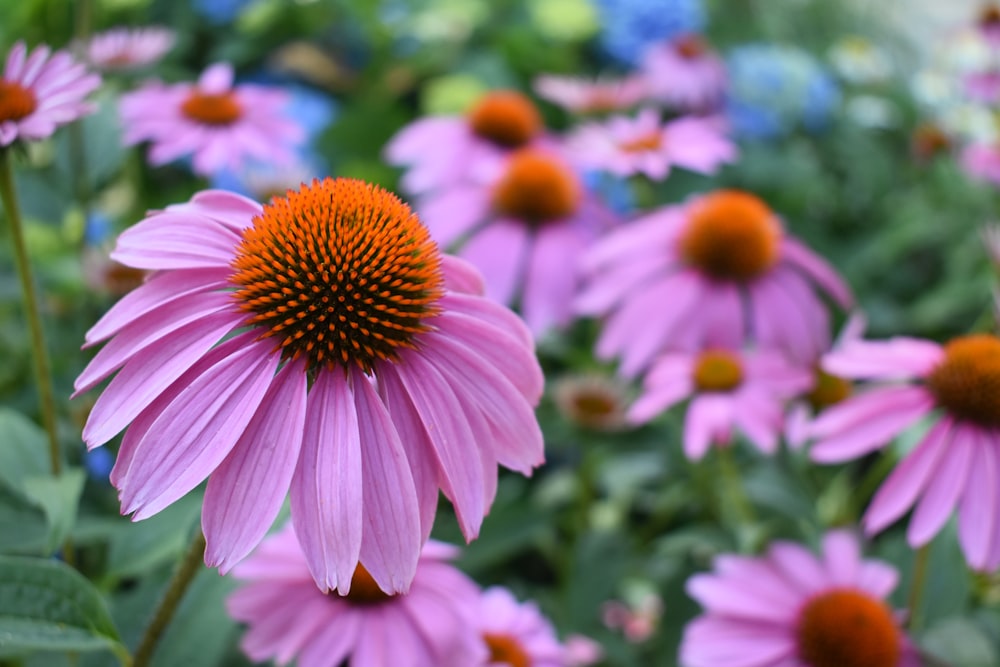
column 917, row 585
column 77, row 145
column 179, row 583
column 743, row 512
column 43, row 376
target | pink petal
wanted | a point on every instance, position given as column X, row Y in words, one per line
column 247, row 490
column 336, row 642
column 944, row 488
column 978, row 520
column 551, row 279
column 499, row 251
column 197, row 430
column 173, row 241
column 894, row 359
column 460, row 276
column 327, row 508
column 905, row 484
column 454, row 212
column 708, row 420
column 391, row 536
column 842, row 557
column 816, row 268
column 723, row 598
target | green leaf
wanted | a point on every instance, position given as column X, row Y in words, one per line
column 58, row 497
column 137, row 548
column 47, row 605
column 962, row 643
column 22, row 523
column 23, row 449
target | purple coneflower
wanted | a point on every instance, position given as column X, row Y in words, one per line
column 790, row 608
column 129, row 48
column 321, row 343
column 218, row 124
column 41, row 91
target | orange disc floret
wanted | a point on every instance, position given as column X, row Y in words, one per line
column 16, row 101
column 364, row 589
column 828, row 390
column 536, row 187
column 691, row 46
column 989, row 16
column 339, row 272
column 649, row 142
column 847, row 627
column 219, row 109
column 717, row 370
column 731, row 235
column 966, row 382
column 505, row 117
column 505, row 650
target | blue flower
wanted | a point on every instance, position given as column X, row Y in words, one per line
column 219, row 12
column 631, row 26
column 97, row 229
column 614, row 192
column 774, row 90
column 98, row 464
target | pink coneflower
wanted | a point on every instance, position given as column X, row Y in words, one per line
column 982, row 162
column 955, row 465
column 685, row 74
column 516, row 634
column 446, row 150
column 39, row 93
column 989, row 24
column 591, row 96
column 713, row 272
column 289, row 618
column 637, row 621
column 645, row 145
column 592, row 401
column 525, row 231
column 727, row 389
column 321, row 343
column 129, row 48
column 791, row 608
column 221, row 126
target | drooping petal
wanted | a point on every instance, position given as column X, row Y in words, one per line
column 326, row 490
column 247, row 490
column 944, row 488
column 978, row 524
column 197, row 430
column 391, row 535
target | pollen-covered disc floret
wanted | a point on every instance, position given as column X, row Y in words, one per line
column 966, row 382
column 364, row 589
column 732, row 235
column 340, row 272
column 16, row 101
column 717, row 370
column 537, row 187
column 847, row 627
column 212, row 108
column 828, row 390
column 505, row 117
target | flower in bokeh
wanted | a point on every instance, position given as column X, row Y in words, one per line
column 129, row 48
column 41, row 91
column 448, row 150
column 218, row 124
column 289, row 618
column 774, row 90
column 525, row 229
column 591, row 96
column 728, row 390
column 860, row 61
column 516, row 633
column 629, row 27
column 106, row 276
column 956, row 464
column 988, row 23
column 716, row 271
column 790, row 608
column 625, row 145
column 638, row 621
column 928, row 141
column 982, row 162
column 591, row 400
column 685, row 74
column 219, row 12
column 321, row 343
column 581, row 651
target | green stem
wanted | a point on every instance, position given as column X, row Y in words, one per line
column 917, row 585
column 43, row 376
column 77, row 145
column 186, row 570
column 745, row 518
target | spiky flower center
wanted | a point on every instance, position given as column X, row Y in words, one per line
column 731, row 235
column 989, row 16
column 340, row 272
column 651, row 141
column 537, row 188
column 966, row 382
column 691, row 46
column 16, row 101
column 364, row 590
column 506, row 650
column 505, row 117
column 212, row 109
column 717, row 370
column 847, row 628
column 827, row 390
